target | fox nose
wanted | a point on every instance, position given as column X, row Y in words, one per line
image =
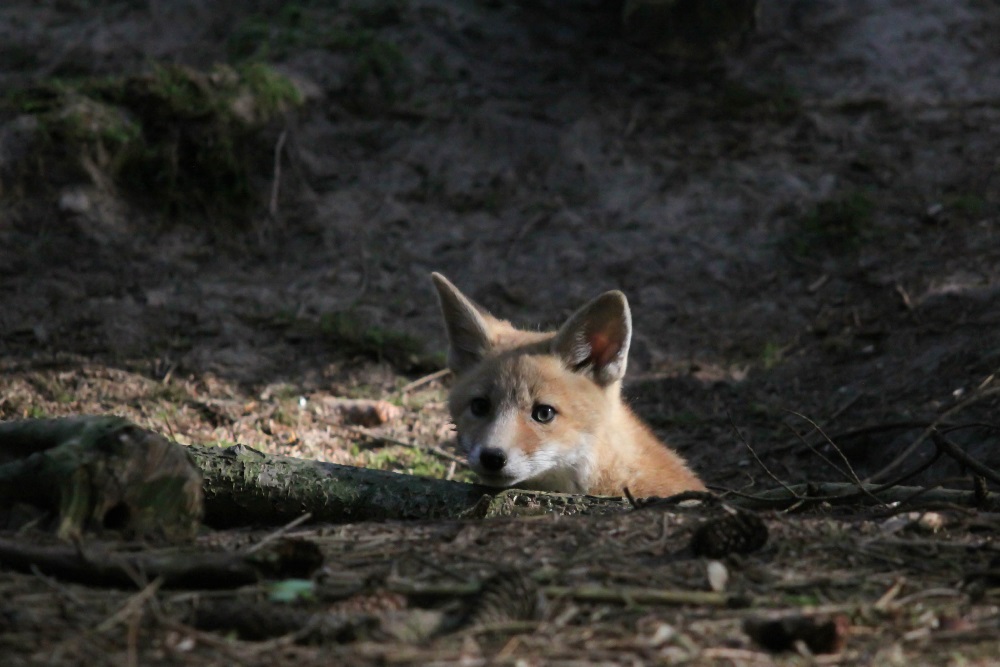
column 492, row 459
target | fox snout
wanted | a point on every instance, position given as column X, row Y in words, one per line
column 492, row 459
column 490, row 464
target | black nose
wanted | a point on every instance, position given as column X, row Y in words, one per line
column 492, row 459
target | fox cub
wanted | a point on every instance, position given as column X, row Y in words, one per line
column 544, row 411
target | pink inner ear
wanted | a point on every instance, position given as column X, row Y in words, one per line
column 602, row 349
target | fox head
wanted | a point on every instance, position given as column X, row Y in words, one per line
column 529, row 406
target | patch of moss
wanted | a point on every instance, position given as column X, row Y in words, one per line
column 352, row 336
column 774, row 102
column 834, row 225
column 965, row 205
column 414, row 462
column 772, row 354
column 183, row 139
column 376, row 65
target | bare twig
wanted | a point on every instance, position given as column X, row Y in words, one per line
column 770, row 474
column 276, row 183
column 908, row 452
column 956, row 452
column 271, row 537
column 840, row 493
column 885, row 602
column 132, row 606
column 639, row 595
column 56, row 586
column 427, row 379
column 913, row 473
column 907, row 426
column 850, row 474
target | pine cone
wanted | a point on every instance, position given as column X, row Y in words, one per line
column 739, row 533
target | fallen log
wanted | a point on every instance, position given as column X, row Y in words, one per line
column 101, row 472
column 244, row 486
column 95, row 472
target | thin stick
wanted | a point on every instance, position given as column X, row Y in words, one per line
column 957, row 453
column 853, row 476
column 759, row 462
column 906, row 453
column 132, row 606
column 839, row 493
column 910, row 475
column 276, row 184
column 639, row 595
column 815, row 451
column 427, row 379
column 56, row 586
column 271, row 537
column 907, row 426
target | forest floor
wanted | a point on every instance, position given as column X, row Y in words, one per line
column 808, row 232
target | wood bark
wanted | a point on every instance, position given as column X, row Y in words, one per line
column 244, row 486
column 100, row 472
column 86, row 467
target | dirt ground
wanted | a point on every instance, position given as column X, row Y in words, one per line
column 808, row 231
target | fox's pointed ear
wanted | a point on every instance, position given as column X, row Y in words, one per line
column 596, row 338
column 468, row 330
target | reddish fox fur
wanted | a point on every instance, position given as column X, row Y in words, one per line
column 544, row 410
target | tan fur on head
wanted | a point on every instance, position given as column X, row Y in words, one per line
column 543, row 410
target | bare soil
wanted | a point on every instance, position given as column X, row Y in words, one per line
column 808, row 232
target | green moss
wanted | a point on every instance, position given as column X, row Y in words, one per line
column 966, row 205
column 273, row 94
column 774, row 102
column 376, row 65
column 185, row 140
column 354, row 337
column 414, row 462
column 772, row 354
column 221, row 444
column 834, row 225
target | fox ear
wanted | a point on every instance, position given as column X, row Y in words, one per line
column 596, row 338
column 468, row 330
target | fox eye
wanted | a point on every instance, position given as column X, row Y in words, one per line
column 543, row 414
column 480, row 407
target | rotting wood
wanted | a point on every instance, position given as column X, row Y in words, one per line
column 99, row 471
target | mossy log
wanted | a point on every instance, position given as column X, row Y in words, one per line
column 101, row 472
column 94, row 472
column 244, row 486
column 105, row 471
